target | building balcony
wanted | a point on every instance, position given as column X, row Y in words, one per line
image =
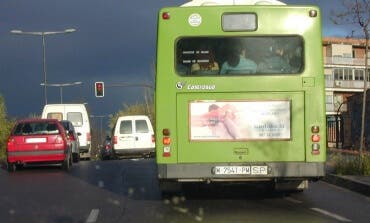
column 350, row 85
column 345, row 61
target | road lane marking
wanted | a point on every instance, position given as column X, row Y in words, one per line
column 93, row 216
column 101, row 183
column 295, row 201
column 97, row 167
column 332, row 215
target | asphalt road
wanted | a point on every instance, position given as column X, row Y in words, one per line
column 127, row 191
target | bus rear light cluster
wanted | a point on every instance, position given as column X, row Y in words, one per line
column 166, row 140
column 315, row 138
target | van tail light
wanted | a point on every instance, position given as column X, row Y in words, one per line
column 315, row 138
column 11, row 144
column 153, row 138
column 166, row 140
column 88, row 136
column 115, row 140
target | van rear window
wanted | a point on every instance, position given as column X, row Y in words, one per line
column 55, row 115
column 75, row 118
column 141, row 126
column 125, row 127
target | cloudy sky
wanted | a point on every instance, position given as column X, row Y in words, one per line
column 114, row 42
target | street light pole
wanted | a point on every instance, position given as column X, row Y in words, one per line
column 43, row 34
column 100, row 133
column 44, row 67
column 61, row 87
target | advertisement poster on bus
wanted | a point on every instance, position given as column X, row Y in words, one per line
column 239, row 120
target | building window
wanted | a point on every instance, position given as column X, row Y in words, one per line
column 338, row 74
column 347, row 74
column 329, row 99
column 359, row 75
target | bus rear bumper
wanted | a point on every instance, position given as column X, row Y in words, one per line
column 269, row 171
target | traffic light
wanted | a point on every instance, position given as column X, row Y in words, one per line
column 99, row 89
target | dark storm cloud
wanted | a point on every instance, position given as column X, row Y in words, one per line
column 114, row 42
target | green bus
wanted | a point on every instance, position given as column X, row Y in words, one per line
column 240, row 94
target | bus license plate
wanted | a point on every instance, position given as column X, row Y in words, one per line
column 241, row 170
column 232, row 170
column 259, row 170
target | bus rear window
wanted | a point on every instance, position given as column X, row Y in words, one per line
column 239, row 55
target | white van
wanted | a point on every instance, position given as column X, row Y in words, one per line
column 77, row 114
column 133, row 135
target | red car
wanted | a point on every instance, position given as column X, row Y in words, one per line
column 38, row 141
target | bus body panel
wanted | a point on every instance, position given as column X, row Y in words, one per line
column 186, row 158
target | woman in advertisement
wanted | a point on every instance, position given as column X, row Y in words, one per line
column 221, row 122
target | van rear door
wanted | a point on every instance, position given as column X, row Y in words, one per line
column 143, row 134
column 124, row 134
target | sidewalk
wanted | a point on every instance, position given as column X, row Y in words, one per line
column 359, row 184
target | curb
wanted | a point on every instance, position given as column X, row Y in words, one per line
column 350, row 184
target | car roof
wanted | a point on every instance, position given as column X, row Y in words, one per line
column 66, row 121
column 37, row 120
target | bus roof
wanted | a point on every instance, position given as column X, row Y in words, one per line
column 232, row 2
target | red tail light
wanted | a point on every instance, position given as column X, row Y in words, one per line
column 11, row 144
column 153, row 139
column 72, row 137
column 108, row 147
column 115, row 141
column 88, row 136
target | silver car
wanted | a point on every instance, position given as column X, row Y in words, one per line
column 72, row 136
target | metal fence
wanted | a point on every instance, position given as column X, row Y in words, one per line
column 335, row 131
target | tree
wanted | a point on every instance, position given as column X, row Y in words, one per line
column 357, row 14
column 135, row 109
column 5, row 127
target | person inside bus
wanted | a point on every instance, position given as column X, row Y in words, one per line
column 276, row 62
column 206, row 63
column 236, row 62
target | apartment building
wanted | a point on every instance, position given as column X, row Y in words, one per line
column 344, row 68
